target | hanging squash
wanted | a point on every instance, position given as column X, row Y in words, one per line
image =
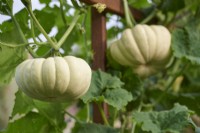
column 144, row 48
column 55, row 79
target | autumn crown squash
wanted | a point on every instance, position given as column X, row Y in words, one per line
column 144, row 48
column 54, row 78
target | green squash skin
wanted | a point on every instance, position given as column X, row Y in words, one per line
column 55, row 79
column 146, row 49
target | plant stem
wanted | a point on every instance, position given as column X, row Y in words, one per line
column 115, row 116
column 77, row 120
column 175, row 73
column 135, row 123
column 103, row 114
column 127, row 14
column 88, row 112
column 32, row 30
column 19, row 29
column 33, row 54
column 53, row 45
column 123, row 124
column 33, row 34
column 13, row 45
column 70, row 28
column 149, row 17
column 62, row 13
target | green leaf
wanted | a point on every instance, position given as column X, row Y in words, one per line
column 52, row 111
column 188, row 98
column 6, row 7
column 6, row 26
column 186, row 42
column 107, row 88
column 173, row 121
column 31, row 123
column 44, row 15
column 100, row 81
column 117, row 97
column 93, row 128
column 140, row 3
column 192, row 4
column 10, row 57
column 132, row 83
column 22, row 18
column 23, row 104
column 172, row 5
column 45, row 1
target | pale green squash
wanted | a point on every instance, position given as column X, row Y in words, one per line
column 144, row 48
column 56, row 79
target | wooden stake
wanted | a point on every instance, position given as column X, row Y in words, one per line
column 99, row 47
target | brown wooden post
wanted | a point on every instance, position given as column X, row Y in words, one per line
column 98, row 32
column 98, row 40
column 99, row 48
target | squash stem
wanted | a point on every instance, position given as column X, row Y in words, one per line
column 76, row 119
column 175, row 73
column 103, row 114
column 128, row 15
column 63, row 13
column 33, row 35
column 134, row 122
column 13, row 45
column 115, row 116
column 53, row 45
column 149, row 17
column 69, row 30
column 33, row 54
column 88, row 112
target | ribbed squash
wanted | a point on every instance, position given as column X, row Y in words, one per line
column 56, row 79
column 144, row 48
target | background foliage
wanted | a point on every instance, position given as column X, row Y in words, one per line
column 166, row 102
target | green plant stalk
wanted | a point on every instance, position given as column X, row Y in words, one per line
column 103, row 115
column 69, row 30
column 149, row 17
column 53, row 45
column 175, row 73
column 123, row 124
column 88, row 112
column 62, row 13
column 33, row 54
column 131, row 17
column 47, row 54
column 85, row 37
column 115, row 116
column 127, row 14
column 13, row 45
column 33, row 35
column 76, row 119
column 49, row 119
column 32, row 31
column 134, row 122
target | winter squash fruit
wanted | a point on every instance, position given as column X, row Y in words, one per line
column 55, row 79
column 144, row 48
